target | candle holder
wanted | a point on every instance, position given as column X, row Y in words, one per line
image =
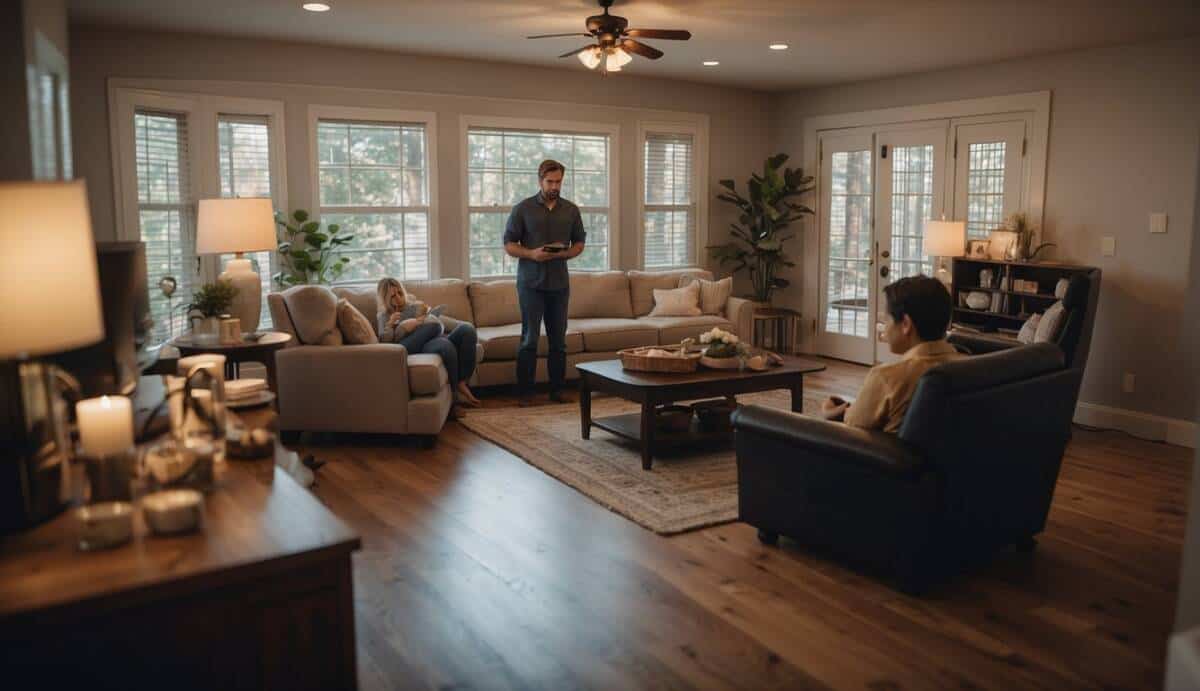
column 197, row 405
column 104, row 525
column 110, row 476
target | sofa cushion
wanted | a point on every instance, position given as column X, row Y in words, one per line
column 451, row 292
column 355, row 327
column 713, row 294
column 362, row 297
column 495, row 303
column 313, row 313
column 426, row 374
column 672, row 330
column 677, row 302
column 643, row 283
column 599, row 294
column 502, row 342
column 601, row 334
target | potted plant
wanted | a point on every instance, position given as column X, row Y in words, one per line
column 308, row 253
column 758, row 236
column 208, row 304
column 1020, row 249
column 723, row 350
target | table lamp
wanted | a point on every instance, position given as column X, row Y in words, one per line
column 944, row 239
column 238, row 226
column 50, row 302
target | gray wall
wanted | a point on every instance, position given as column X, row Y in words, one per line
column 1123, row 142
column 300, row 74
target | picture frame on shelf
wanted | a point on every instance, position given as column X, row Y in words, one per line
column 978, row 249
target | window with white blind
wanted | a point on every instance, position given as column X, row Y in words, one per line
column 669, row 213
column 166, row 211
column 244, row 170
column 502, row 166
column 374, row 181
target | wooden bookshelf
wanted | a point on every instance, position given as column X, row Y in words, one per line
column 1009, row 308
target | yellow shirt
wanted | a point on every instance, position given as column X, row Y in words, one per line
column 889, row 388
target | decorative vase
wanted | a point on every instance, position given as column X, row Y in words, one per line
column 247, row 302
column 978, row 300
column 721, row 362
column 205, row 330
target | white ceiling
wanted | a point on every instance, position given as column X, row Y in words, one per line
column 832, row 41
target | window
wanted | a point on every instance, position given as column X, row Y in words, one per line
column 166, row 214
column 373, row 180
column 244, row 170
column 669, row 211
column 989, row 175
column 502, row 170
column 912, row 201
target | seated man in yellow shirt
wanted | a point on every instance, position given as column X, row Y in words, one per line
column 914, row 326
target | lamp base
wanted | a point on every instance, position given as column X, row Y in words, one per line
column 247, row 304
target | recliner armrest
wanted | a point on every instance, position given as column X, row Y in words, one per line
column 979, row 344
column 867, row 448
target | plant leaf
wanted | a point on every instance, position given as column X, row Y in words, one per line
column 300, row 215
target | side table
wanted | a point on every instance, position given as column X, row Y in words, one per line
column 262, row 350
column 777, row 329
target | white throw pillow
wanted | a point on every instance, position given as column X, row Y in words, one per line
column 713, row 294
column 1051, row 324
column 1029, row 329
column 678, row 302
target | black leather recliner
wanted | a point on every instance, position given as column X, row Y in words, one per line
column 971, row 470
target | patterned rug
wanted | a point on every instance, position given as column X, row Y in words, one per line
column 685, row 490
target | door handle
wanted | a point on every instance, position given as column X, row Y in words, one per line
column 885, row 254
column 883, row 271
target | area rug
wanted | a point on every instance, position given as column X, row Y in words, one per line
column 685, row 490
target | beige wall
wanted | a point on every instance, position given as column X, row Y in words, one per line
column 1124, row 140
column 301, row 74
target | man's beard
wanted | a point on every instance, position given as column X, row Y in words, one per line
column 551, row 194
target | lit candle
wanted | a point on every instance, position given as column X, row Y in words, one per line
column 105, row 425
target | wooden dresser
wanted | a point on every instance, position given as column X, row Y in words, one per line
column 261, row 598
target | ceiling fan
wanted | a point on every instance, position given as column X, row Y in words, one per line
column 615, row 42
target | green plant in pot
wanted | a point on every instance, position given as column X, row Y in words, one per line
column 308, row 252
column 210, row 302
column 1022, row 249
column 764, row 214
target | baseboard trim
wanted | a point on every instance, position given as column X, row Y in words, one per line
column 1170, row 430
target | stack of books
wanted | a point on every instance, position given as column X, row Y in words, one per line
column 243, row 389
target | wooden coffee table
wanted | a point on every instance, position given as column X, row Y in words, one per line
column 653, row 389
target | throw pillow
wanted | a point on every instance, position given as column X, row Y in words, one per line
column 713, row 294
column 1051, row 324
column 355, row 327
column 312, row 310
column 1028, row 329
column 677, row 302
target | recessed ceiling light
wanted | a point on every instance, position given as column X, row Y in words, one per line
column 778, row 46
column 711, row 63
column 316, row 7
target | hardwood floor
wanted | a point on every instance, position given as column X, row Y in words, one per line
column 479, row 571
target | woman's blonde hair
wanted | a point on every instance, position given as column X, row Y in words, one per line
column 381, row 293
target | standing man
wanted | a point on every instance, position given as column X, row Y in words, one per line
column 543, row 232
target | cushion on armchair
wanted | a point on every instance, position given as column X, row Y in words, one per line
column 355, row 327
column 312, row 311
column 426, row 375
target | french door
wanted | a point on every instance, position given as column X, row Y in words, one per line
column 878, row 187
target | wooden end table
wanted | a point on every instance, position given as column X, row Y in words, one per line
column 777, row 329
column 652, row 389
column 263, row 350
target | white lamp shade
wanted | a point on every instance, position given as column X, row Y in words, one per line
column 235, row 225
column 49, row 287
column 945, row 238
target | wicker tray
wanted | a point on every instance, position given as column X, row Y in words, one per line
column 636, row 359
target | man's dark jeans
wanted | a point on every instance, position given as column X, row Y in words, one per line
column 536, row 306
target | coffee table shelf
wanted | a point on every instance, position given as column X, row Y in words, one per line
column 629, row 426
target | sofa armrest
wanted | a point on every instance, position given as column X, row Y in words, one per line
column 866, row 448
column 978, row 344
column 740, row 311
column 345, row 388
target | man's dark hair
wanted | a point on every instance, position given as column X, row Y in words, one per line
column 925, row 300
column 549, row 166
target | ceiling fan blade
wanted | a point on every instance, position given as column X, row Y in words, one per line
column 573, row 33
column 575, row 52
column 641, row 49
column 668, row 34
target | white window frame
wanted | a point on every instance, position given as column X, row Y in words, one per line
column 611, row 130
column 202, row 111
column 426, row 118
column 1033, row 105
column 699, row 134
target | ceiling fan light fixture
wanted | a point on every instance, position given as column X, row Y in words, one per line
column 618, row 58
column 590, row 57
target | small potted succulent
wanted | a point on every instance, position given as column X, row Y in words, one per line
column 208, row 305
column 723, row 350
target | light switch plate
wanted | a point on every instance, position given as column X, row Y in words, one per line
column 1158, row 222
column 1108, row 246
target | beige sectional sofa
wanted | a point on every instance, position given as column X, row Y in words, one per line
column 608, row 311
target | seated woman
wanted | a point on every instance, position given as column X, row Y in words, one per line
column 405, row 320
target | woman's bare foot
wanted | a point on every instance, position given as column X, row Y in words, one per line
column 466, row 397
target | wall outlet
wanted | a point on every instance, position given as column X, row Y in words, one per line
column 1158, row 222
column 1128, row 382
column 1108, row 246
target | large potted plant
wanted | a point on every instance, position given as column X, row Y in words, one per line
column 308, row 252
column 759, row 234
